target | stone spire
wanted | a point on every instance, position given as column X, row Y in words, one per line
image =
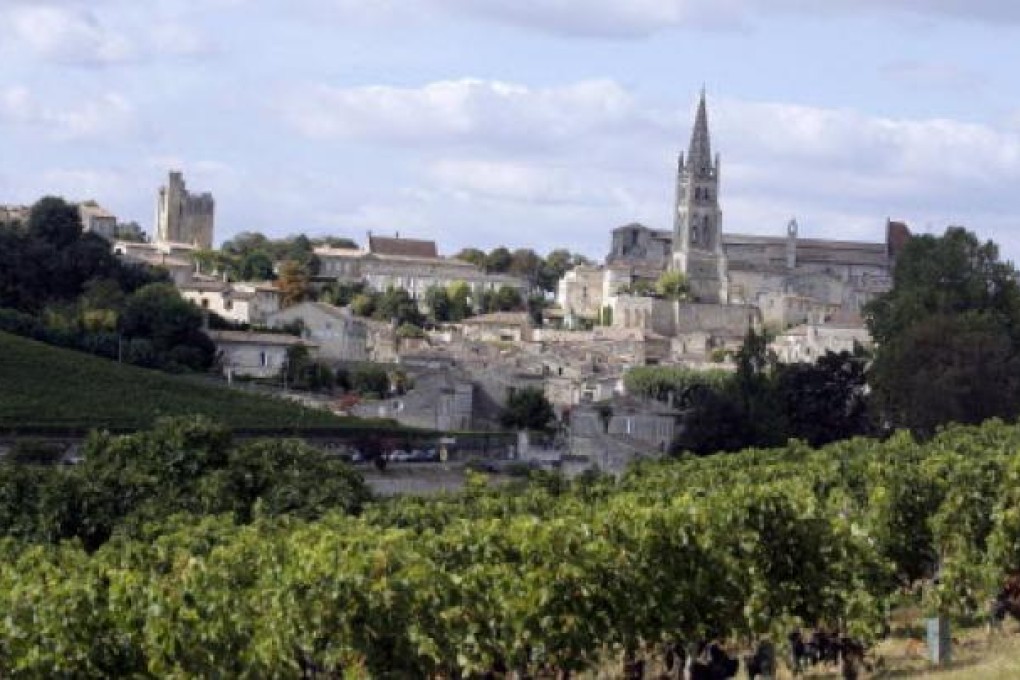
column 699, row 154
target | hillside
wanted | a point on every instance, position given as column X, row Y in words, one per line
column 47, row 387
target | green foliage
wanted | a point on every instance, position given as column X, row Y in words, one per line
column 672, row 285
column 659, row 382
column 49, row 387
column 527, row 409
column 546, row 575
column 370, row 380
column 409, row 331
column 157, row 314
column 948, row 334
column 397, row 306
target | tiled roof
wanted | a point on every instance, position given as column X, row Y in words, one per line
column 256, row 338
column 405, row 247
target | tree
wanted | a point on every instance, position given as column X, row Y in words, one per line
column 396, row 305
column 507, row 299
column 526, row 264
column 459, row 295
column 370, row 380
column 55, row 221
column 472, row 255
column 255, row 265
column 364, row 304
column 672, row 285
column 527, row 409
column 408, row 331
column 293, row 283
column 948, row 334
column 825, row 401
column 498, row 260
column 437, row 299
column 158, row 315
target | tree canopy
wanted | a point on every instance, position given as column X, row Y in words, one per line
column 948, row 334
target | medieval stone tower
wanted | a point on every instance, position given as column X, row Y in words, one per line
column 182, row 217
column 697, row 219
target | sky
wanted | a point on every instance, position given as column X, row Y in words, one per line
column 525, row 123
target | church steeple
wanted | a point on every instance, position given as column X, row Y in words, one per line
column 699, row 154
column 697, row 225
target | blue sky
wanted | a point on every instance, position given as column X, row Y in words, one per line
column 518, row 122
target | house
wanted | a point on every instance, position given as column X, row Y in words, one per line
column 410, row 264
column 248, row 303
column 95, row 219
column 174, row 257
column 809, row 342
column 339, row 335
column 256, row 355
column 498, row 327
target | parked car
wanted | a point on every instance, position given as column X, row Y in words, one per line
column 400, row 456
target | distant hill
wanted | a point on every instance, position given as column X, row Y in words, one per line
column 51, row 388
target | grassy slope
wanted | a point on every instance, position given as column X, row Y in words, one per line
column 44, row 386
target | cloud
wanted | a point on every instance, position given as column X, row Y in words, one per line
column 67, row 35
column 564, row 164
column 636, row 18
column 934, row 75
column 479, row 112
column 105, row 115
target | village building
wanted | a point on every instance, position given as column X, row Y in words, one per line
column 250, row 303
column 183, row 217
column 254, row 355
column 175, row 258
column 809, row 342
column 338, row 334
column 411, row 264
column 498, row 327
column 95, row 219
column 736, row 281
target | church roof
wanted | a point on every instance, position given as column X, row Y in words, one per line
column 699, row 153
column 402, row 247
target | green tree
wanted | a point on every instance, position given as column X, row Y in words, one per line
column 396, row 305
column 459, row 295
column 159, row 315
column 437, row 299
column 55, row 221
column 472, row 255
column 672, row 285
column 364, row 304
column 507, row 299
column 255, row 265
column 370, row 380
column 527, row 409
column 948, row 334
column 498, row 260
column 526, row 264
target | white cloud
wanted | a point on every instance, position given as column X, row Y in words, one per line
column 67, row 34
column 632, row 18
column 563, row 165
column 482, row 112
column 108, row 114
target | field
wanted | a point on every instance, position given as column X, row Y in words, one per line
column 44, row 387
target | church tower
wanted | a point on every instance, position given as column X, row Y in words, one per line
column 697, row 219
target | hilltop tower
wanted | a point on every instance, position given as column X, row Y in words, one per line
column 182, row 217
column 697, row 219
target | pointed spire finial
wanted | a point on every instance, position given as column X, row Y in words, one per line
column 699, row 155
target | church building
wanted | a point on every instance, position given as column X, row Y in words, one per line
column 787, row 279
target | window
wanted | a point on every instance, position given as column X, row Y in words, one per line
column 205, row 303
column 263, row 359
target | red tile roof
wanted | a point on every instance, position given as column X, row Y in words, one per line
column 402, row 247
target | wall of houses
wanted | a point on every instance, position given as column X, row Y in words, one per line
column 339, row 335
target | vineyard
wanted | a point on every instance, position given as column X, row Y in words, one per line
column 543, row 574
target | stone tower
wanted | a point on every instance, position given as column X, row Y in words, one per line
column 182, row 217
column 697, row 219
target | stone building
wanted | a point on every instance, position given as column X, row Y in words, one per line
column 790, row 279
column 249, row 303
column 183, row 217
column 411, row 264
column 95, row 219
column 339, row 335
column 258, row 355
